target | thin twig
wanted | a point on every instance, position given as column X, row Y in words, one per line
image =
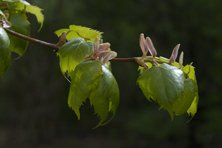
column 50, row 45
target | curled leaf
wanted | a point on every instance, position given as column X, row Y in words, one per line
column 174, row 54
column 62, row 39
column 101, row 51
column 96, row 47
column 143, row 45
column 181, row 60
column 143, row 64
column 110, row 55
column 104, row 47
column 151, row 48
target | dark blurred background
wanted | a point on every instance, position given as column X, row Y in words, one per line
column 33, row 93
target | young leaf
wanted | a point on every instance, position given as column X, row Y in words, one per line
column 151, row 48
column 60, row 31
column 85, row 78
column 181, row 60
column 174, row 54
column 5, row 53
column 37, row 12
column 21, row 25
column 105, row 97
column 73, row 52
column 78, row 31
column 164, row 84
column 143, row 45
column 167, row 61
column 22, row 1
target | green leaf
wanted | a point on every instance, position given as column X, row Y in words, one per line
column 74, row 31
column 164, row 84
column 84, row 78
column 21, row 25
column 108, row 66
column 60, row 31
column 92, row 80
column 37, row 12
column 105, row 97
column 73, row 52
column 163, row 59
column 22, row 1
column 2, row 14
column 183, row 103
column 5, row 53
column 24, row 5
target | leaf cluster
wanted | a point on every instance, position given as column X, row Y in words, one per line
column 85, row 62
column 13, row 15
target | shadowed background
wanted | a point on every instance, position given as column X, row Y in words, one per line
column 33, row 93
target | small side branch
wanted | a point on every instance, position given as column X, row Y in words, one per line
column 50, row 45
column 133, row 59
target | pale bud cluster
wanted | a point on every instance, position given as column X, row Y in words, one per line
column 102, row 52
column 4, row 22
column 146, row 45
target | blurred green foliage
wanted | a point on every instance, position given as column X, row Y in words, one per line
column 33, row 93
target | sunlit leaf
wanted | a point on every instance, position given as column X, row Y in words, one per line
column 74, row 31
column 108, row 66
column 164, row 84
column 37, row 12
column 5, row 53
column 105, row 97
column 59, row 32
column 73, row 52
column 24, row 5
column 21, row 25
column 167, row 60
column 22, row 1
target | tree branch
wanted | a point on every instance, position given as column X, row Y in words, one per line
column 50, row 45
column 56, row 47
column 133, row 59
